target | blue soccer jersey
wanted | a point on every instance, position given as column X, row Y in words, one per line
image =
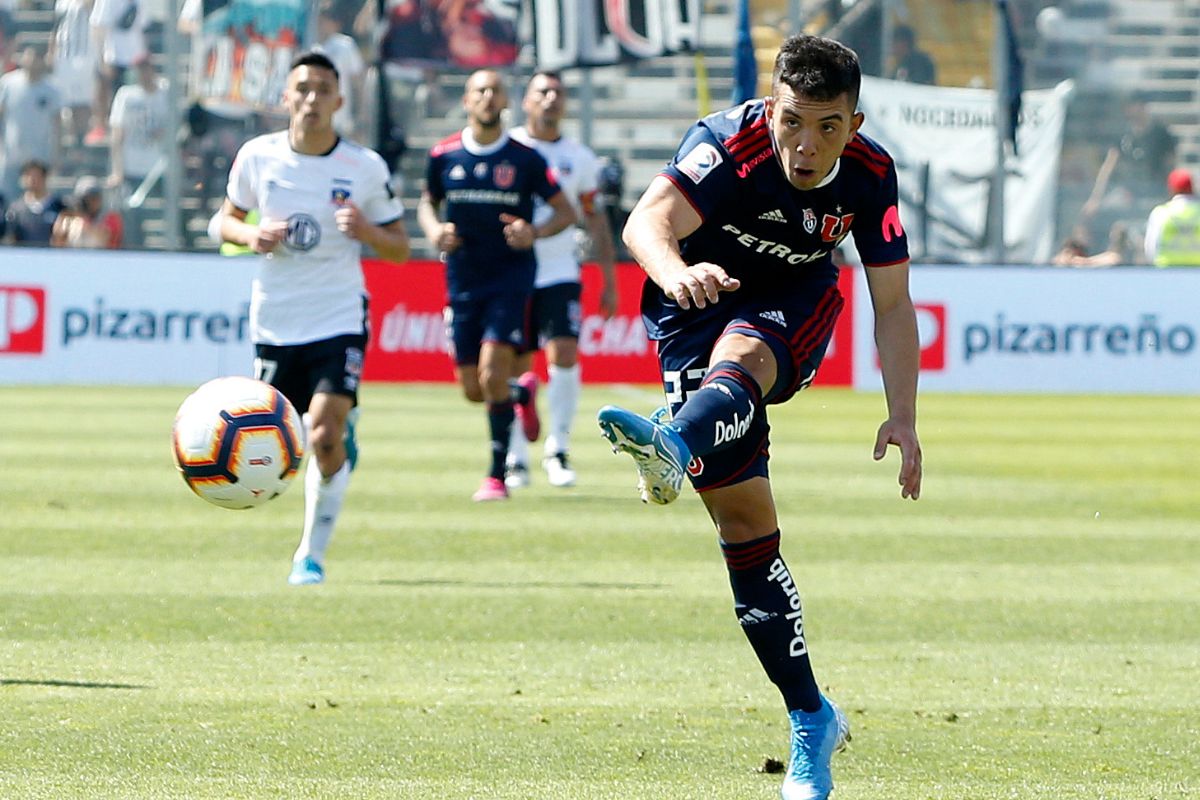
column 776, row 239
column 479, row 183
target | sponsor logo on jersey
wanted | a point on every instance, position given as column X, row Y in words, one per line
column 303, row 233
column 457, row 173
column 702, row 160
column 504, row 175
column 746, row 168
column 771, row 248
column 892, row 229
column 22, row 319
column 339, row 196
column 810, row 220
column 774, row 215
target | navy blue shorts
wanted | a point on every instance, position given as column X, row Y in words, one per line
column 328, row 366
column 556, row 313
column 497, row 317
column 797, row 329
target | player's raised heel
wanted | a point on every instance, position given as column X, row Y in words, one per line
column 816, row 737
column 658, row 451
column 527, row 413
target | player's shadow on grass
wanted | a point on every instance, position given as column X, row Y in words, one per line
column 69, row 684
column 600, row 585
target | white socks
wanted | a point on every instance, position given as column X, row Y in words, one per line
column 322, row 504
column 562, row 393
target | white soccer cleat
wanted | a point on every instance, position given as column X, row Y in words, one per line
column 558, row 470
column 516, row 476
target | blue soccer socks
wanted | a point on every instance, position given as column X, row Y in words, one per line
column 767, row 604
column 721, row 411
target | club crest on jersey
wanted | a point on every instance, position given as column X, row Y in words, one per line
column 481, row 169
column 504, row 175
column 303, row 233
column 339, row 196
column 833, row 228
column 810, row 220
column 702, row 160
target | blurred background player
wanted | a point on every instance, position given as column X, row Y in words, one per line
column 488, row 183
column 736, row 236
column 320, row 199
column 556, row 312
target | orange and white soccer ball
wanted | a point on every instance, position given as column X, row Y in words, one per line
column 238, row 442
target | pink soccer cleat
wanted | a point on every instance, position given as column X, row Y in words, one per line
column 527, row 413
column 491, row 489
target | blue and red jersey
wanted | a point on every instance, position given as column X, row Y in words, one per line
column 774, row 238
column 479, row 183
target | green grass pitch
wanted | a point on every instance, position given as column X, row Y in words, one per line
column 1029, row 629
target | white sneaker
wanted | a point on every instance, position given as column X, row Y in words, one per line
column 516, row 476
column 558, row 470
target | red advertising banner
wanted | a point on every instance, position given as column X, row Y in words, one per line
column 408, row 336
column 408, row 340
column 838, row 367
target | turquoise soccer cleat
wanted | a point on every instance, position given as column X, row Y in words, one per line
column 306, row 572
column 658, row 451
column 816, row 737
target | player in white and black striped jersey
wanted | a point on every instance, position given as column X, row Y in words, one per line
column 319, row 199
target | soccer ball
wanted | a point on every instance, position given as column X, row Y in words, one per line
column 238, row 442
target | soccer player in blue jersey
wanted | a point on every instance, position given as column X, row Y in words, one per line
column 488, row 182
column 736, row 236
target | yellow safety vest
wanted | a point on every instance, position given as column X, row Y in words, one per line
column 1179, row 242
column 231, row 249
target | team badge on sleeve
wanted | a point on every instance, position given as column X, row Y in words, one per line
column 702, row 160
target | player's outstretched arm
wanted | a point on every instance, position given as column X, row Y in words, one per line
column 899, row 351
column 660, row 220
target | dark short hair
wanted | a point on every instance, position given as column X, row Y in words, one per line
column 818, row 68
column 312, row 58
column 552, row 74
column 35, row 163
